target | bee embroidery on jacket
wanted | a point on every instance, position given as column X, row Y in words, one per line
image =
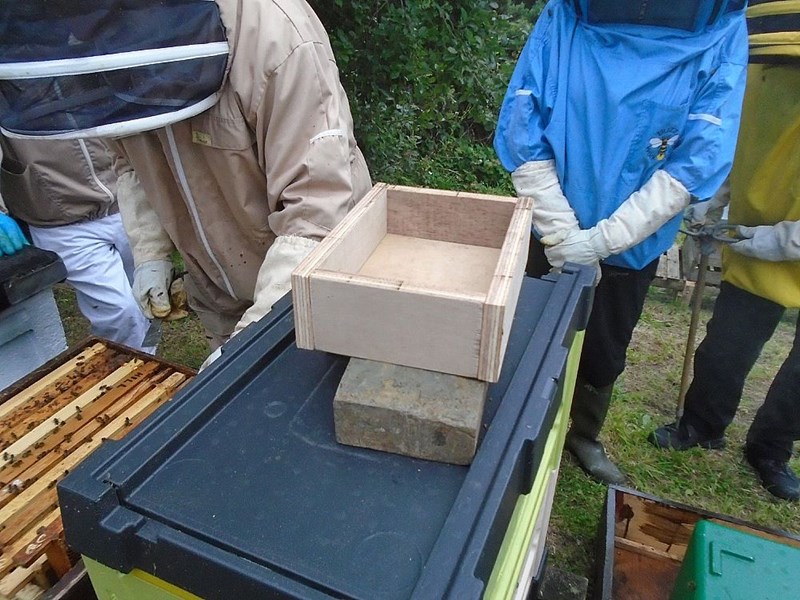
column 659, row 145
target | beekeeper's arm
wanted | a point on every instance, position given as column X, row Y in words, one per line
column 305, row 152
column 12, row 240
column 772, row 243
column 520, row 141
column 697, row 168
column 150, row 243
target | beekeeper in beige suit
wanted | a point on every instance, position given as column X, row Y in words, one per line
column 231, row 114
column 246, row 189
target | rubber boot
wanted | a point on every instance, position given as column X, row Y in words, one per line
column 589, row 409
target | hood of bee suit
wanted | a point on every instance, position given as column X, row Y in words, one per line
column 106, row 68
column 688, row 15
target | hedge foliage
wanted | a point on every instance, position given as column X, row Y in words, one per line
column 425, row 80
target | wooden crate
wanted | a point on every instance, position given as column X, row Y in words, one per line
column 49, row 422
column 417, row 277
column 643, row 540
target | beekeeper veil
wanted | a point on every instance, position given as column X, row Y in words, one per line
column 689, row 15
column 89, row 68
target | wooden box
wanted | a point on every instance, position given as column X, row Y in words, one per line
column 643, row 540
column 49, row 422
column 417, row 277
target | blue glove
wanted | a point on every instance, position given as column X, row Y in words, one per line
column 12, row 240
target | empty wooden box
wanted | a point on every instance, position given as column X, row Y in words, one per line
column 417, row 277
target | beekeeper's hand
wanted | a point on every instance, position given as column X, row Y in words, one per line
column 704, row 215
column 12, row 240
column 275, row 276
column 773, row 243
column 151, row 283
column 581, row 246
column 273, row 282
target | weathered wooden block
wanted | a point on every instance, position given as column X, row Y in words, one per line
column 409, row 411
column 417, row 277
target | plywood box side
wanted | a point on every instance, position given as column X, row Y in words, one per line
column 394, row 285
column 501, row 302
column 350, row 232
column 463, row 218
column 345, row 248
column 365, row 227
column 379, row 322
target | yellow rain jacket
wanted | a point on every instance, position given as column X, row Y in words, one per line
column 765, row 180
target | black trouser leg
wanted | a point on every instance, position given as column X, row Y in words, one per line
column 618, row 304
column 616, row 308
column 736, row 333
column 777, row 423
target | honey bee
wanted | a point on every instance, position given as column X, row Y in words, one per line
column 662, row 144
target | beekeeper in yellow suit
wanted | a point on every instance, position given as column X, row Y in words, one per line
column 761, row 273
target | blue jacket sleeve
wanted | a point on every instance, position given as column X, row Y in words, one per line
column 705, row 156
column 520, row 134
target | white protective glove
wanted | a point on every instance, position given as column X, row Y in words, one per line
column 773, row 243
column 273, row 282
column 149, row 240
column 151, row 283
column 582, row 246
column 709, row 213
column 151, row 247
column 551, row 211
column 641, row 215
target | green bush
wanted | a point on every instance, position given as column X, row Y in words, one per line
column 425, row 80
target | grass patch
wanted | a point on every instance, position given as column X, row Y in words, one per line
column 182, row 341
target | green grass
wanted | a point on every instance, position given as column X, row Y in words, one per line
column 182, row 341
column 644, row 398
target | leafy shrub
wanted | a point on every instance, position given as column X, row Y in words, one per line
column 425, row 80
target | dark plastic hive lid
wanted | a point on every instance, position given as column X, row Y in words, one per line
column 238, row 489
column 27, row 273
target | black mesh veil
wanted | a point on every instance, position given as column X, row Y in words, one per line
column 69, row 68
column 689, row 15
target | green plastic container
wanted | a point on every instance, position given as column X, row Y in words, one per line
column 722, row 563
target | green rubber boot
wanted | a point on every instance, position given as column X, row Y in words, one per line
column 589, row 409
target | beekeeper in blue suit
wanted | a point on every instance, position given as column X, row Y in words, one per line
column 618, row 115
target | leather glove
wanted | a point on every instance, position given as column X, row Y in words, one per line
column 12, row 240
column 551, row 211
column 275, row 276
column 178, row 299
column 773, row 243
column 644, row 212
column 273, row 282
column 709, row 213
column 151, row 284
column 581, row 246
